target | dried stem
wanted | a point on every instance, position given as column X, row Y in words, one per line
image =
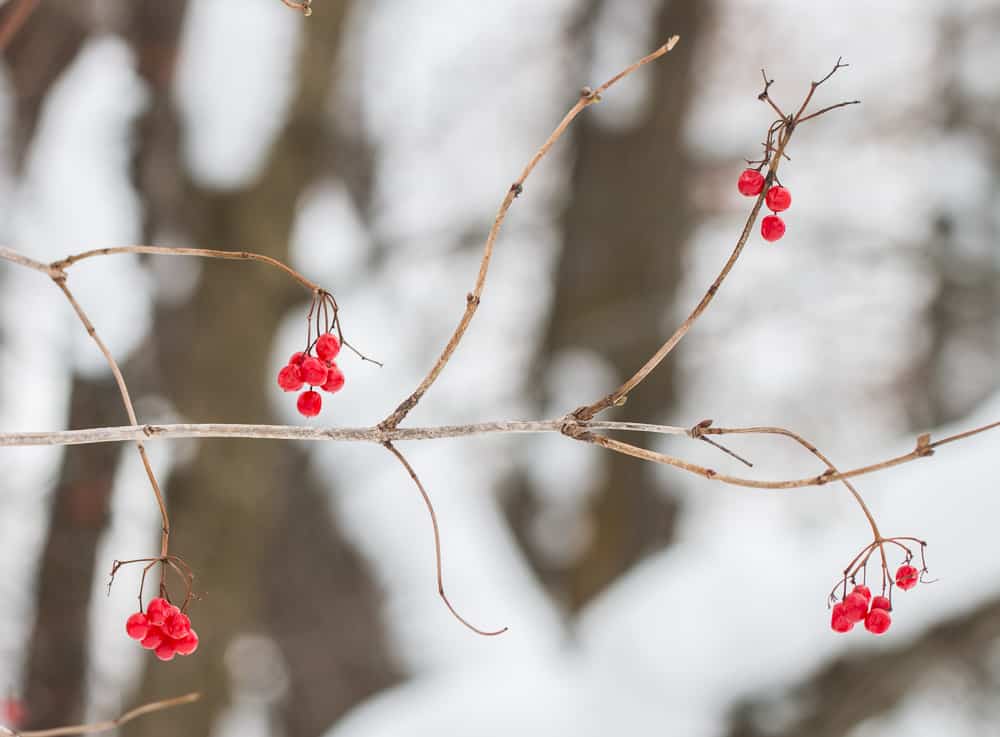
column 587, row 97
column 437, row 544
column 126, row 400
column 783, row 128
column 579, row 432
column 198, row 252
column 110, row 724
column 305, row 6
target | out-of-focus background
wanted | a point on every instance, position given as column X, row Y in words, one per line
column 369, row 146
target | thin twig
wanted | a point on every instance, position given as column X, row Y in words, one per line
column 104, row 726
column 60, row 281
column 578, row 433
column 587, row 97
column 784, row 128
column 65, row 263
column 437, row 544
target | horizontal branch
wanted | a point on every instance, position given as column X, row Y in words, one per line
column 296, row 432
column 106, row 725
column 569, row 426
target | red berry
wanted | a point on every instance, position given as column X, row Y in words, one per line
column 750, row 183
column 778, row 199
column 334, row 379
column 297, row 358
column 290, row 378
column 310, row 403
column 166, row 650
column 157, row 610
column 153, row 638
column 881, row 602
column 313, row 371
column 772, row 228
column 839, row 622
column 907, row 577
column 877, row 621
column 177, row 626
column 188, row 645
column 864, row 591
column 855, row 607
column 137, row 626
column 327, row 346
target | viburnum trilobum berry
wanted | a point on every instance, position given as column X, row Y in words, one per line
column 164, row 629
column 309, row 404
column 907, row 577
column 772, row 228
column 878, row 620
column 750, row 183
column 859, row 604
column 778, row 199
column 315, row 371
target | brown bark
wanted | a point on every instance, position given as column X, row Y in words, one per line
column 56, row 661
column 624, row 232
column 36, row 57
column 857, row 687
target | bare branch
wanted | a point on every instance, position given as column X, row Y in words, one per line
column 110, row 724
column 587, row 97
column 65, row 263
column 437, row 545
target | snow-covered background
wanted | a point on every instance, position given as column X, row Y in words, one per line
column 819, row 333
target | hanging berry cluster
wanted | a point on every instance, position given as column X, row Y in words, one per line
column 778, row 199
column 164, row 629
column 315, row 365
column 859, row 605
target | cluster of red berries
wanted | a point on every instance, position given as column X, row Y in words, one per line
column 316, row 371
column 164, row 629
column 778, row 199
column 860, row 605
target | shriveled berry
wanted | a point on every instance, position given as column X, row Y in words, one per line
column 327, row 346
column 855, row 607
column 877, row 621
column 907, row 577
column 157, row 610
column 334, row 379
column 166, row 650
column 772, row 228
column 864, row 591
column 188, row 645
column 297, row 358
column 137, row 626
column 313, row 371
column 750, row 183
column 778, row 199
column 310, row 403
column 290, row 378
column 881, row 602
column 177, row 626
column 839, row 622
column 153, row 638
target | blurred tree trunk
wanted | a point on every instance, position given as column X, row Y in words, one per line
column 833, row 701
column 56, row 660
column 624, row 230
column 248, row 515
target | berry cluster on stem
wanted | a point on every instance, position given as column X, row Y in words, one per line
column 164, row 629
column 315, row 367
column 859, row 605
